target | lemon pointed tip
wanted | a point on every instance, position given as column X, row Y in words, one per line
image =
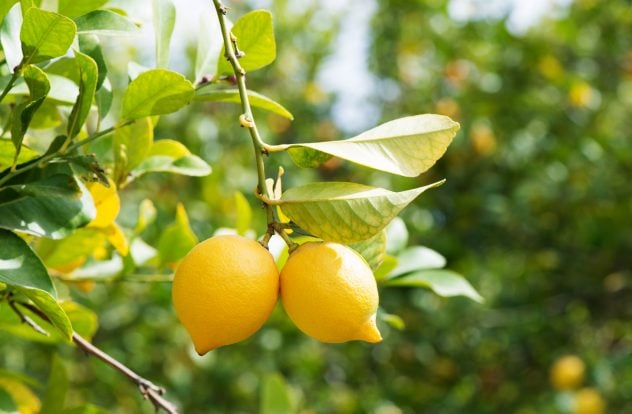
column 369, row 332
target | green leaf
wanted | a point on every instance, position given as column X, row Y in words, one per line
column 396, row 236
column 255, row 38
column 87, row 168
column 207, row 46
column 10, row 37
column 443, row 282
column 48, row 202
column 88, row 75
column 74, row 8
column 164, row 17
column 406, row 146
column 105, row 23
column 46, row 117
column 57, row 324
column 392, row 320
column 177, row 239
column 373, row 249
column 56, row 387
column 388, row 264
column 87, row 409
column 171, row 156
column 58, row 254
column 90, row 45
column 156, row 92
column 45, row 35
column 39, row 87
column 243, row 212
column 47, row 304
column 417, row 258
column 276, row 396
column 7, row 153
column 62, row 90
column 345, row 212
column 104, row 99
column 146, row 215
column 5, row 6
column 21, row 395
column 131, row 144
column 232, row 95
column 20, row 266
column 84, row 321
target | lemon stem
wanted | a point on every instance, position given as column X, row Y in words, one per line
column 247, row 120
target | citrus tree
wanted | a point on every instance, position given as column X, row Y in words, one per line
column 74, row 136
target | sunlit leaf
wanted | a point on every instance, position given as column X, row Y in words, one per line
column 45, row 35
column 156, row 92
column 176, row 239
column 130, row 146
column 171, row 156
column 88, row 75
column 7, row 153
column 443, row 282
column 392, row 320
column 417, row 258
column 406, row 146
column 66, row 254
column 396, row 236
column 255, row 38
column 90, row 45
column 345, row 212
column 164, row 17
column 74, row 8
column 39, row 87
column 105, row 23
column 232, row 95
column 372, row 249
column 10, row 36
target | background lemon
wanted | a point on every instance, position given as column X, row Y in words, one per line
column 224, row 289
column 589, row 401
column 567, row 372
column 106, row 201
column 329, row 292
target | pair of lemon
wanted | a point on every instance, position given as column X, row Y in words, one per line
column 226, row 287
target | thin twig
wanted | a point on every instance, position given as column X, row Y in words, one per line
column 148, row 389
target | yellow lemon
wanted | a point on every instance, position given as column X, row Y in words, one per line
column 329, row 292
column 567, row 372
column 589, row 401
column 106, row 201
column 224, row 289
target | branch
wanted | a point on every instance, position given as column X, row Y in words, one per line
column 148, row 389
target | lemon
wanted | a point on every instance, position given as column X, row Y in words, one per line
column 106, row 201
column 567, row 372
column 588, row 401
column 329, row 292
column 224, row 289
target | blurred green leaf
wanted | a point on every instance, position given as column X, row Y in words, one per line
column 130, row 146
column 87, row 409
column 88, row 75
column 177, row 238
column 372, row 249
column 146, row 215
column 255, row 38
column 392, row 320
column 46, row 117
column 45, row 35
column 74, row 8
column 56, row 387
column 47, row 202
column 345, row 212
column 244, row 214
column 164, row 18
column 105, row 23
column 90, row 45
column 232, row 95
column 443, row 282
column 7, row 153
column 417, row 258
column 388, row 264
column 406, row 146
column 396, row 236
column 276, row 396
column 21, row 395
column 104, row 99
column 171, row 156
column 156, row 92
column 5, row 6
column 20, row 266
column 67, row 252
column 62, row 90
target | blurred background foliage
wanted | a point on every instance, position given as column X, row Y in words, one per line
column 535, row 213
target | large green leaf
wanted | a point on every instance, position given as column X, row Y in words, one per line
column 255, row 38
column 131, row 144
column 345, row 212
column 47, row 202
column 171, row 156
column 88, row 75
column 164, row 17
column 156, row 92
column 20, row 266
column 39, row 87
column 232, row 95
column 105, row 23
column 276, row 396
column 443, row 282
column 74, row 8
column 45, row 35
column 406, row 146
